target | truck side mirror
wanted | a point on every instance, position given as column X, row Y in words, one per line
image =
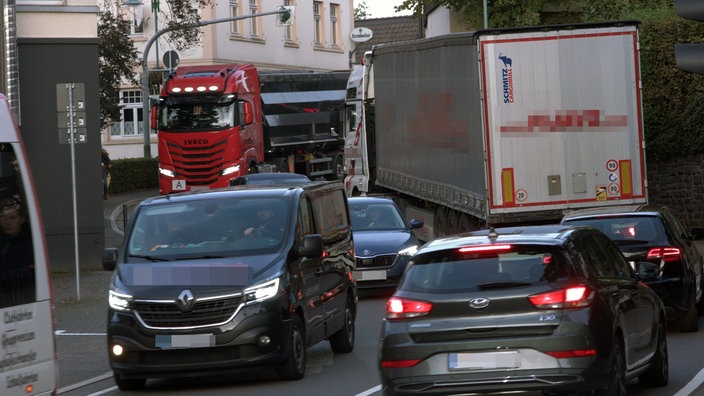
column 248, row 113
column 154, row 116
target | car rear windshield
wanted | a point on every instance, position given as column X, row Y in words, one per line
column 626, row 229
column 468, row 270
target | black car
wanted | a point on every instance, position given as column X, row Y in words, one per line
column 383, row 241
column 542, row 308
column 653, row 233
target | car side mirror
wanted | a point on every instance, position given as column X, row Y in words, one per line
column 110, row 259
column 415, row 224
column 647, row 270
column 311, row 247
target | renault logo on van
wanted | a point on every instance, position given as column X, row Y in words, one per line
column 479, row 303
column 185, row 300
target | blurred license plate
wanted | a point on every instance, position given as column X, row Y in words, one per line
column 164, row 341
column 483, row 360
column 370, row 275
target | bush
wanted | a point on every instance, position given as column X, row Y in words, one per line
column 130, row 174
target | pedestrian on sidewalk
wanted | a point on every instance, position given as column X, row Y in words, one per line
column 106, row 164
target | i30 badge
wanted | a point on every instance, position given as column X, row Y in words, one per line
column 479, row 302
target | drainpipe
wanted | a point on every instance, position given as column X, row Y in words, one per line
column 9, row 46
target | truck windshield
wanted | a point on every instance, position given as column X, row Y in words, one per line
column 197, row 116
column 208, row 228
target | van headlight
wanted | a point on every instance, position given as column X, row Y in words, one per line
column 119, row 301
column 261, row 291
column 409, row 251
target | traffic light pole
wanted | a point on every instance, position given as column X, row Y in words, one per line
column 146, row 105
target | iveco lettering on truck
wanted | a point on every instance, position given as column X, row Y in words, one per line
column 28, row 363
column 216, row 123
column 499, row 127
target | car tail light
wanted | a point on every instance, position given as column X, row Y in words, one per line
column 571, row 297
column 399, row 308
column 485, row 249
column 399, row 363
column 666, row 254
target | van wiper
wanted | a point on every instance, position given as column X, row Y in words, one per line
column 198, row 257
column 501, row 284
column 150, row 258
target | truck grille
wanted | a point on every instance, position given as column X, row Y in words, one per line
column 376, row 262
column 161, row 314
column 199, row 166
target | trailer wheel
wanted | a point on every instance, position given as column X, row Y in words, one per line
column 463, row 223
column 440, row 226
column 451, row 226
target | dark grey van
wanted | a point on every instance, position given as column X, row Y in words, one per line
column 252, row 275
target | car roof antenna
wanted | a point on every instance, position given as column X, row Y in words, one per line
column 492, row 235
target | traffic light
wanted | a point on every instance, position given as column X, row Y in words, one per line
column 690, row 57
column 285, row 16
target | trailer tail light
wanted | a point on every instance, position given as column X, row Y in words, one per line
column 666, row 254
column 571, row 297
column 400, row 308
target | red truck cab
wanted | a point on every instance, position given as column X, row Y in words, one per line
column 209, row 126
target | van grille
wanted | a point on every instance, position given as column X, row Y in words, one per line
column 161, row 314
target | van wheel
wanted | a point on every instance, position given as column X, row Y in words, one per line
column 127, row 384
column 294, row 367
column 343, row 340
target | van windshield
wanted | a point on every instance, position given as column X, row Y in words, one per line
column 208, row 228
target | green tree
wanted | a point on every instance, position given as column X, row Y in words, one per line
column 117, row 61
column 361, row 11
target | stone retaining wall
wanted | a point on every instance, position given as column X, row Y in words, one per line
column 679, row 184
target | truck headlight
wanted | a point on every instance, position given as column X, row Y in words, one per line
column 119, row 301
column 230, row 170
column 261, row 291
column 409, row 251
column 167, row 172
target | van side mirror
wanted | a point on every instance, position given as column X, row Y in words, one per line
column 109, row 259
column 312, row 246
column 647, row 271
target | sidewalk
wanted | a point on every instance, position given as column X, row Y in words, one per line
column 81, row 302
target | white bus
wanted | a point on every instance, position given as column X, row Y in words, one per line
column 28, row 364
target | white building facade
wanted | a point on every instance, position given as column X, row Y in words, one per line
column 318, row 39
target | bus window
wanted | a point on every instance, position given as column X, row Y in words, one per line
column 28, row 354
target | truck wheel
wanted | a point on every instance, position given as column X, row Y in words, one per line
column 281, row 165
column 294, row 367
column 338, row 168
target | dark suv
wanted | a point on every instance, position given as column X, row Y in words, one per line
column 249, row 276
column 653, row 233
column 543, row 308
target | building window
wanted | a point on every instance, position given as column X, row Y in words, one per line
column 335, row 25
column 136, row 19
column 235, row 12
column 289, row 29
column 130, row 123
column 318, row 22
column 253, row 22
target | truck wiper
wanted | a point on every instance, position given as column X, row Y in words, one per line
column 150, row 258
